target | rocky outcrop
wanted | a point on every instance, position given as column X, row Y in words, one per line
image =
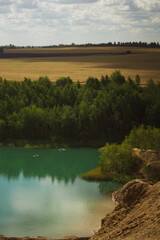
column 150, row 168
column 147, row 155
column 130, row 192
column 136, row 216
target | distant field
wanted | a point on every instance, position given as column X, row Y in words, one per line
column 80, row 63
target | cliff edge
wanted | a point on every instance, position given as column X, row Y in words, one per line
column 136, row 216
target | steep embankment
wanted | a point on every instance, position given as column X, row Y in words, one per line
column 137, row 215
column 150, row 166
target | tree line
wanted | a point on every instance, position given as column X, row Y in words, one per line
column 102, row 109
column 108, row 44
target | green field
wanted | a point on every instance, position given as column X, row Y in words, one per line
column 80, row 63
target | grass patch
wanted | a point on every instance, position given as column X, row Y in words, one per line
column 97, row 175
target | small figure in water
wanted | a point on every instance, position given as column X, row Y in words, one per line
column 35, row 155
column 61, row 149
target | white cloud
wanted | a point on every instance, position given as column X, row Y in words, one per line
column 156, row 20
column 5, row 3
column 75, row 1
column 136, row 30
column 147, row 4
column 27, row 4
column 67, row 21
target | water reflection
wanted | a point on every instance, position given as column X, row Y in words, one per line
column 65, row 165
column 108, row 187
column 44, row 195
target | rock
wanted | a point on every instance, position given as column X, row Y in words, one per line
column 130, row 192
column 136, row 216
column 147, row 155
column 150, row 168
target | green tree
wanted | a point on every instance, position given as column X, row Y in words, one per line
column 33, row 120
column 104, row 81
column 84, row 120
column 117, row 77
column 2, row 129
column 14, row 126
column 63, row 81
column 69, row 122
column 144, row 138
column 93, row 83
column 137, row 80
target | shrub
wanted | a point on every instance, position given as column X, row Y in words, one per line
column 118, row 158
column 144, row 138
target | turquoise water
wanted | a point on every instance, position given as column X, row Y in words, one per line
column 41, row 193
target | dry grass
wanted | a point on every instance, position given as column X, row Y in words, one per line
column 97, row 175
column 142, row 61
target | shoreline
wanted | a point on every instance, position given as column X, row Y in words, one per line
column 131, row 219
column 3, row 237
column 48, row 144
column 97, row 175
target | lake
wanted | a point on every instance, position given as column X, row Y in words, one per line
column 42, row 194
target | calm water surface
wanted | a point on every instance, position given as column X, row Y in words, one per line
column 43, row 194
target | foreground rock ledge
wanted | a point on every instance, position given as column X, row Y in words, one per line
column 136, row 216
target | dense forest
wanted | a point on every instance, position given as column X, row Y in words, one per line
column 105, row 109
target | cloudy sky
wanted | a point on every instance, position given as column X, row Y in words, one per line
column 47, row 22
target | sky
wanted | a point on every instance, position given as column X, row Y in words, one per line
column 49, row 22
